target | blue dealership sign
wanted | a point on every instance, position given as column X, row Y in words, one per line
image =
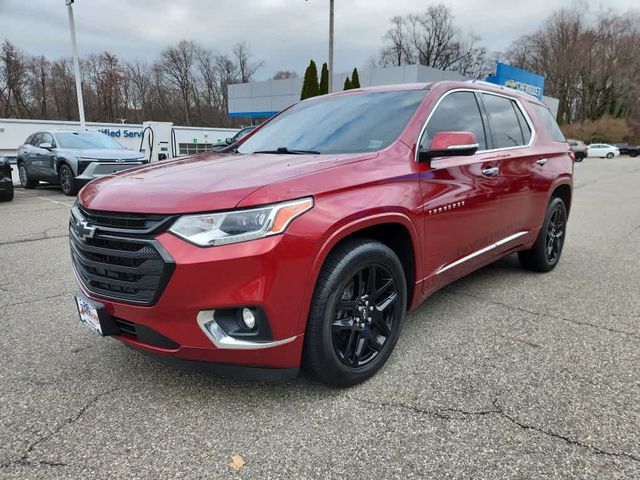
column 523, row 80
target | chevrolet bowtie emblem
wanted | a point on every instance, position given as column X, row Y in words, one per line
column 85, row 231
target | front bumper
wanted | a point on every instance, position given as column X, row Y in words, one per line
column 270, row 273
column 99, row 169
column 6, row 184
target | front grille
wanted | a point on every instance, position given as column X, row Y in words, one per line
column 124, row 222
column 132, row 269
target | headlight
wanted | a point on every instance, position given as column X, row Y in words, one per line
column 213, row 229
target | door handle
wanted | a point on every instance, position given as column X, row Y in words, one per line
column 490, row 172
column 542, row 161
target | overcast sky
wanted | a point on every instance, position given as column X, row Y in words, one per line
column 283, row 33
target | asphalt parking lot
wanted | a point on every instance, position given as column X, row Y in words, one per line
column 504, row 374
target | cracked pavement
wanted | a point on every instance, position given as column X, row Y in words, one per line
column 504, row 374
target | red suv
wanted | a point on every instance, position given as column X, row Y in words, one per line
column 306, row 242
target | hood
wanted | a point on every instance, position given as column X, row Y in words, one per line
column 201, row 183
column 106, row 153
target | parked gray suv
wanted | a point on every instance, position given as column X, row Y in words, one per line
column 71, row 159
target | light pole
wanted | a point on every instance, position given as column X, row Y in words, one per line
column 76, row 63
column 330, row 46
column 330, row 66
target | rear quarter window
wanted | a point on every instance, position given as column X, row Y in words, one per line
column 550, row 124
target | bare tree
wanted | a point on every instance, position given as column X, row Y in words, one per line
column 432, row 39
column 178, row 63
column 285, row 74
column 246, row 67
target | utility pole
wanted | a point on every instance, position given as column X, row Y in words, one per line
column 76, row 63
column 330, row 64
column 330, row 46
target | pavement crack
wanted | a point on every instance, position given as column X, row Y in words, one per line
column 500, row 411
column 24, row 458
column 437, row 413
column 549, row 315
column 37, row 239
column 25, row 302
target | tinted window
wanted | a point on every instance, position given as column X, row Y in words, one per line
column 47, row 138
column 524, row 126
column 242, row 133
column 550, row 123
column 82, row 140
column 457, row 112
column 505, row 127
column 361, row 122
column 35, row 141
column 29, row 139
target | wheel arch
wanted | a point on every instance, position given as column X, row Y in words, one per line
column 563, row 191
column 392, row 229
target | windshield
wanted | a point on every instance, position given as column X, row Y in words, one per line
column 85, row 140
column 362, row 122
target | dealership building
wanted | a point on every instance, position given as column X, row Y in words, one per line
column 260, row 100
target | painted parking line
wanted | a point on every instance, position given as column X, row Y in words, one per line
column 69, row 205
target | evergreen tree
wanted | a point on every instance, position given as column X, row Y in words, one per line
column 355, row 79
column 324, row 80
column 347, row 84
column 310, row 86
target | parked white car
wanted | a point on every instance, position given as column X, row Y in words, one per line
column 602, row 150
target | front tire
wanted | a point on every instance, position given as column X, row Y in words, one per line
column 545, row 253
column 610, row 155
column 25, row 180
column 356, row 313
column 579, row 157
column 67, row 181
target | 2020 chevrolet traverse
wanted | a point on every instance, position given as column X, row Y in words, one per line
column 308, row 243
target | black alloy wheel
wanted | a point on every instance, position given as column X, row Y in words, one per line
column 546, row 251
column 555, row 234
column 364, row 315
column 357, row 312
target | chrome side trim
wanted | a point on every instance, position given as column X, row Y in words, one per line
column 523, row 110
column 481, row 251
column 221, row 340
column 463, row 147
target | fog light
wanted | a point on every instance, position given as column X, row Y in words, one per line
column 248, row 318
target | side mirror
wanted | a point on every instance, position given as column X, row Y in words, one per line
column 450, row 144
column 229, row 141
column 46, row 145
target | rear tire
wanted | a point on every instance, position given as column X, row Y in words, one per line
column 545, row 253
column 67, row 181
column 25, row 180
column 610, row 155
column 356, row 313
column 579, row 157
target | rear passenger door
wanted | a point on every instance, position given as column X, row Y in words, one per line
column 511, row 137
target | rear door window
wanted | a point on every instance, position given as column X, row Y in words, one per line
column 506, row 129
column 457, row 112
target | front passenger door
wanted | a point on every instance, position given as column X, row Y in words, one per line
column 461, row 194
column 44, row 158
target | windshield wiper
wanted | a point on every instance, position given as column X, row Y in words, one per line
column 285, row 150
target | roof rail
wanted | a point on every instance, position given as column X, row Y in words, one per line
column 501, row 87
